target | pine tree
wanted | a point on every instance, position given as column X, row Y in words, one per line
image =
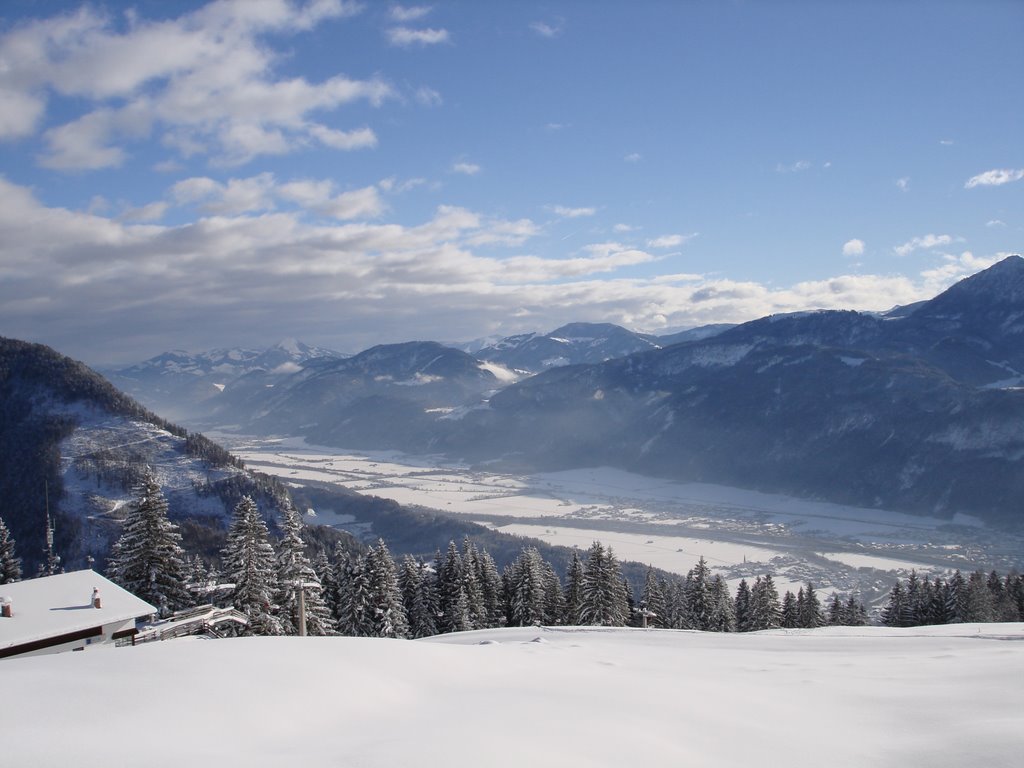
column 743, row 607
column 766, row 611
column 353, row 597
column 835, row 610
column 573, row 589
column 453, row 604
column 10, row 564
column 471, row 569
column 810, row 608
column 418, row 596
column 527, row 589
column 956, row 599
column 554, row 598
column 653, row 600
column 699, row 600
column 147, row 559
column 723, row 616
column 294, row 572
column 854, row 613
column 249, row 563
column 978, row 606
column 895, row 611
column 605, row 601
column 329, row 581
column 490, row 585
column 790, row 611
column 387, row 613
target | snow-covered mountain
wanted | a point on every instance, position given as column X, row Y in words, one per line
column 942, row 697
column 72, row 442
column 377, row 397
column 179, row 383
column 922, row 412
column 569, row 345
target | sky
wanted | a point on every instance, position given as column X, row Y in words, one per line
column 191, row 175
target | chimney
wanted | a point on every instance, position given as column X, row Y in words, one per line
column 96, row 598
column 6, row 609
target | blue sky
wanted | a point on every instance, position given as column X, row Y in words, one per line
column 193, row 175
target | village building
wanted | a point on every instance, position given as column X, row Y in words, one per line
column 67, row 612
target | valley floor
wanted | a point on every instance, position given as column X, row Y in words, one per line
column 941, row 697
column 741, row 533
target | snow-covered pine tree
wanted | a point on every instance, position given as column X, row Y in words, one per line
column 895, row 610
column 790, row 611
column 766, row 611
column 742, row 607
column 723, row 616
column 834, row 610
column 329, row 581
column 453, row 604
column 605, row 601
column 979, row 606
column 938, row 607
column 354, row 617
column 416, row 583
column 249, row 563
column 653, row 600
column 810, row 608
column 698, row 596
column 956, row 599
column 854, row 613
column 147, row 559
column 471, row 568
column 573, row 589
column 675, row 604
column 527, row 589
column 10, row 564
column 387, row 613
column 295, row 572
column 554, row 599
column 490, row 585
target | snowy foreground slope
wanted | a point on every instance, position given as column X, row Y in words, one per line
column 942, row 696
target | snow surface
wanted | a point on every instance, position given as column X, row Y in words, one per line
column 942, row 697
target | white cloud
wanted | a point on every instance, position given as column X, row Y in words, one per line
column 995, row 178
column 571, row 213
column 93, row 286
column 926, row 241
column 946, row 142
column 237, row 196
column 670, row 241
column 428, row 97
column 204, row 82
column 544, row 29
column 625, row 228
column 405, row 14
column 152, row 212
column 903, row 183
column 466, row 169
column 995, row 223
column 633, row 157
column 853, row 247
column 406, row 36
column 361, row 138
column 799, row 165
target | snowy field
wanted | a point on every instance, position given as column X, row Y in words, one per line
column 740, row 533
column 942, row 697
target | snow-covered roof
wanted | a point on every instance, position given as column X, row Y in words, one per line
column 62, row 604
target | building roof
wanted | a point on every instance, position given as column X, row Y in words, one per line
column 62, row 604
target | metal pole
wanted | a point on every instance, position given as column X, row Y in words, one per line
column 302, row 609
